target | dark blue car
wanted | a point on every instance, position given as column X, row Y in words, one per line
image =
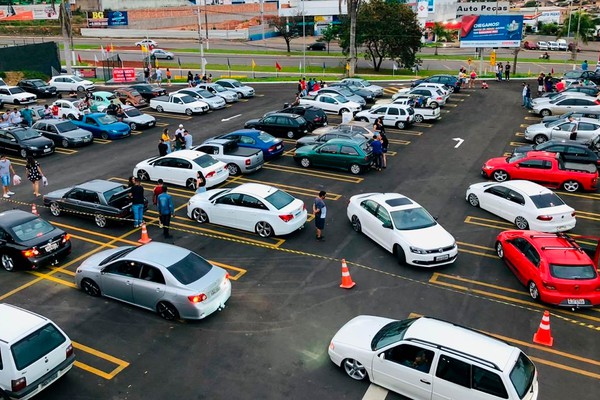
column 104, row 126
column 448, row 80
column 255, row 139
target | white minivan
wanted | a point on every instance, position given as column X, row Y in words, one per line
column 430, row 359
column 34, row 352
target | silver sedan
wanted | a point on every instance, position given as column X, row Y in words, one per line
column 173, row 281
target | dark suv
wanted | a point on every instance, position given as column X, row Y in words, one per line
column 449, row 80
column 569, row 149
column 279, row 124
column 314, row 116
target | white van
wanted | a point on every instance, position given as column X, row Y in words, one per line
column 553, row 46
column 34, row 352
column 426, row 358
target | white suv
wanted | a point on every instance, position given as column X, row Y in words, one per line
column 71, row 83
column 34, row 352
column 395, row 115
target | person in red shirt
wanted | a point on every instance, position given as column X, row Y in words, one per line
column 55, row 111
column 158, row 189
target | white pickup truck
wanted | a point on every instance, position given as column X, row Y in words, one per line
column 331, row 103
column 238, row 159
column 422, row 112
column 179, row 103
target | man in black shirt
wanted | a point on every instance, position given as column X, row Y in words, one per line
column 162, row 147
column 137, row 203
column 112, row 108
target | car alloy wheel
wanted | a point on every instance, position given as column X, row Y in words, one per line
column 167, row 311
column 434, row 105
column 133, row 126
column 54, row 209
column 499, row 249
column 400, row 125
column 23, row 153
column 80, row 89
column 8, row 263
column 356, row 224
column 363, row 119
column 545, row 113
column 90, row 287
column 571, row 186
column 344, row 110
column 538, row 139
column 71, row 116
column 199, row 215
column 64, row 143
column 190, row 184
column 233, row 169
column 100, row 220
column 104, row 135
column 473, row 200
column 159, row 108
column 521, row 223
column 143, row 175
column 500, row 176
column 355, row 169
column 305, row 162
column 188, row 111
column 533, row 291
column 264, row 229
column 16, row 102
column 419, row 118
column 355, row 369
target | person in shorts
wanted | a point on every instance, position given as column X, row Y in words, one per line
column 320, row 212
column 6, row 169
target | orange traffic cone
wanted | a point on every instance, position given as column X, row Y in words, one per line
column 34, row 210
column 347, row 282
column 543, row 335
column 145, row 238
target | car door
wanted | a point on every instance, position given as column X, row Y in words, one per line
column 117, row 279
column 533, row 170
column 328, row 104
column 493, row 199
column 269, row 124
column 10, row 142
column 563, row 131
column 405, row 369
column 514, row 254
column 92, row 125
column 52, row 133
column 383, row 229
column 60, row 84
column 149, row 288
column 72, row 200
column 251, row 212
column 514, row 206
column 348, row 155
column 586, row 131
column 564, row 106
column 376, row 113
column 391, row 116
column 164, row 169
column 327, row 155
column 226, row 209
column 368, row 218
column 90, row 203
column 5, row 95
column 577, row 154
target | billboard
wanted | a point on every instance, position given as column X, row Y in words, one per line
column 27, row 12
column 491, row 31
column 106, row 19
column 121, row 75
column 486, row 8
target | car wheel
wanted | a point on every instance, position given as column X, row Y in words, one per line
column 104, row 135
column 16, row 102
column 167, row 311
column 8, row 262
column 264, row 229
column 54, row 209
column 190, row 184
column 400, row 125
column 355, row 169
column 363, row 119
column 90, row 287
column 290, row 135
column 64, row 143
column 199, row 215
column 545, row 113
column 169, row 58
column 533, row 291
column 473, row 200
column 356, row 224
column 305, row 162
column 80, row 89
column 499, row 249
column 419, row 118
column 188, row 111
column 133, row 126
column 355, row 369
column 434, row 105
column 71, row 117
column 23, row 153
column 233, row 169
column 451, row 89
column 143, row 175
column 571, row 186
column 159, row 109
column 344, row 110
column 540, row 139
column 100, row 220
column 500, row 176
column 399, row 253
column 521, row 223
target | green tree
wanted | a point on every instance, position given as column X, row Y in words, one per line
column 582, row 26
column 441, row 34
column 328, row 34
column 531, row 3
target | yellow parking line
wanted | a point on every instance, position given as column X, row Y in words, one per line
column 533, row 119
column 520, row 134
column 162, row 124
column 519, row 144
column 136, row 132
column 454, row 99
column 102, row 141
column 168, row 115
column 240, row 271
column 593, row 196
column 565, row 367
column 460, row 95
column 423, row 125
column 406, row 132
column 294, row 189
column 52, row 278
column 450, row 105
column 121, row 364
column 103, row 235
column 66, row 151
column 399, row 141
column 317, row 174
column 524, row 125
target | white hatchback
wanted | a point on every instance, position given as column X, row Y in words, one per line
column 523, row 203
column 402, row 227
column 181, row 168
column 394, row 115
column 252, row 207
column 71, row 83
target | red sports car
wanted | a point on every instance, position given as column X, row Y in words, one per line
column 554, row 268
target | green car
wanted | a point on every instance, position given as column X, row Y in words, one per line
column 336, row 153
column 101, row 100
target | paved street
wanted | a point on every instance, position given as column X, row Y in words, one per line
column 271, row 340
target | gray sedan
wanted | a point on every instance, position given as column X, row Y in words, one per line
column 228, row 95
column 63, row 132
column 333, row 134
column 170, row 280
column 582, row 130
column 345, row 92
column 162, row 54
column 214, row 102
column 564, row 104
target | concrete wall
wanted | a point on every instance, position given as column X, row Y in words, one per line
column 88, row 5
column 254, row 33
column 138, row 4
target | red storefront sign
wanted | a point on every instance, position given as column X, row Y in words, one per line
column 123, row 75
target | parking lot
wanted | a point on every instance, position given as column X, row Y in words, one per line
column 271, row 340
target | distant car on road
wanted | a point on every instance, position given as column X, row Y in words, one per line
column 146, row 42
column 162, row 54
column 321, row 46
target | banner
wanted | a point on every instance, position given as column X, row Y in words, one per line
column 104, row 19
column 13, row 12
column 491, row 31
column 121, row 75
column 488, row 8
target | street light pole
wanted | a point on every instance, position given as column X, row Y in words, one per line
column 200, row 40
column 262, row 21
column 303, row 39
column 569, row 26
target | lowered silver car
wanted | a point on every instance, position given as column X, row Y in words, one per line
column 173, row 281
column 214, row 102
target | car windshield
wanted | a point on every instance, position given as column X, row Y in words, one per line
column 236, row 84
column 190, row 268
column 133, row 112
column 77, row 79
column 557, row 98
column 66, row 126
column 546, row 200
column 36, row 346
column 572, row 74
column 16, row 90
column 205, row 161
column 134, row 93
column 205, row 93
column 412, row 218
column 218, row 88
column 554, row 123
column 265, row 137
column 366, row 83
column 31, row 229
column 37, row 83
column 107, row 119
column 344, row 91
column 187, row 99
column 26, row 133
column 341, row 99
column 391, row 333
column 515, row 157
column 574, row 272
column 118, row 254
column 279, row 199
column 522, row 375
column 114, row 192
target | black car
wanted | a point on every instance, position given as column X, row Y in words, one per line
column 321, row 46
column 314, row 116
column 37, row 87
column 450, row 81
column 364, row 93
column 336, row 134
column 583, row 75
column 569, row 149
column 574, row 114
column 98, row 199
column 27, row 241
column 24, row 142
column 279, row 124
column 148, row 91
column 589, row 90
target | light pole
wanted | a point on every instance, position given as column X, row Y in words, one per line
column 569, row 26
column 200, row 40
column 262, row 21
column 303, row 40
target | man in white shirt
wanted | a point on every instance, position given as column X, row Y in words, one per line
column 15, row 117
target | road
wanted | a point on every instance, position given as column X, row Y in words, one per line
column 271, row 340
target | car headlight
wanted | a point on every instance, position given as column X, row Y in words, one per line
column 488, row 167
column 417, row 250
column 34, row 148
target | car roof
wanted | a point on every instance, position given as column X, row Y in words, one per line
column 555, row 248
column 99, row 185
column 541, row 154
column 342, row 141
column 158, row 253
column 52, row 121
column 567, row 142
column 65, row 76
column 27, row 321
column 96, row 115
column 228, row 80
column 257, row 189
column 462, row 339
column 392, row 201
column 527, row 187
column 12, row 217
column 357, row 123
column 186, row 154
column 249, row 132
column 296, row 116
column 103, row 93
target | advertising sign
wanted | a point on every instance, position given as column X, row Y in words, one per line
column 549, row 17
column 472, row 8
column 117, row 18
column 13, row 12
column 430, row 6
column 104, row 19
column 121, row 75
column 491, row 31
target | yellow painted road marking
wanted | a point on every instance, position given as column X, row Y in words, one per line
column 446, row 111
column 102, row 141
column 399, row 141
column 162, row 124
column 593, row 196
column 294, row 189
column 405, row 132
column 453, row 99
column 240, row 271
column 121, row 364
column 519, row 144
column 423, row 125
column 460, row 95
column 168, row 115
column 317, row 174
column 136, row 132
column 65, row 151
column 533, row 119
column 391, row 90
column 49, row 276
column 70, row 228
column 524, row 125
column 520, row 134
column 177, row 192
column 450, row 105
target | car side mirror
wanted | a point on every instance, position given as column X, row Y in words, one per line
column 382, row 356
column 2, row 242
column 103, row 271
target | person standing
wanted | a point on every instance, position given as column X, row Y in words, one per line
column 6, row 169
column 167, row 139
column 584, row 65
column 540, row 82
column 159, row 78
column 377, row 149
column 527, row 96
column 158, row 189
column 147, row 75
column 507, row 71
column 179, row 142
column 166, row 209
column 169, row 76
column 163, row 149
column 34, row 174
column 378, row 125
column 200, row 182
column 137, row 203
column 190, row 79
column 472, row 78
column 27, row 115
column 523, row 94
column 499, row 71
column 187, row 139
column 384, row 147
column 15, row 117
column 320, row 213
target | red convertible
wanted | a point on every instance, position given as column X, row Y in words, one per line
column 545, row 168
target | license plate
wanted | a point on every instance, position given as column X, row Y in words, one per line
column 279, row 147
column 576, row 302
column 47, row 150
column 51, row 247
column 49, row 380
column 215, row 290
column 442, row 258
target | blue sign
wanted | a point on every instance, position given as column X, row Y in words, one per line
column 117, row 18
column 430, row 6
column 491, row 31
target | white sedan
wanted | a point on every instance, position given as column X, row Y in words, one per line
column 402, row 227
column 181, row 168
column 16, row 95
column 71, row 83
column 251, row 207
column 524, row 203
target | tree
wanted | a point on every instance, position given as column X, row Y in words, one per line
column 582, row 26
column 328, row 34
column 352, row 7
column 531, row 3
column 440, row 33
column 288, row 27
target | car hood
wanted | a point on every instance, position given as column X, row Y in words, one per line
column 140, row 119
column 496, row 162
column 245, row 88
column 57, row 194
column 522, row 149
column 205, row 196
column 77, row 133
column 359, row 331
column 307, row 140
column 308, row 149
column 429, row 238
column 37, row 141
column 538, row 128
column 251, row 123
column 117, row 126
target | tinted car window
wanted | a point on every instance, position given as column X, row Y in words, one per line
column 205, row 161
column 36, row 345
column 412, row 218
column 576, row 272
column 522, row 375
column 31, row 229
column 279, row 199
column 453, row 370
column 488, row 382
column 546, row 200
column 190, row 268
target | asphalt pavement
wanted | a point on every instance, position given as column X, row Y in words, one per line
column 271, row 340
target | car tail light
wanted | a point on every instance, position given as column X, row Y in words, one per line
column 272, row 148
column 597, row 102
column 598, row 289
column 30, row 252
column 317, row 119
column 286, row 217
column 227, row 276
column 69, row 351
column 66, row 238
column 197, row 298
column 210, row 174
column 18, row 384
column 573, row 214
column 366, row 158
column 544, row 217
column 439, row 98
column 303, row 207
column 331, row 345
column 247, row 162
column 548, row 286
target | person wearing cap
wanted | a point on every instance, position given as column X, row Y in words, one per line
column 179, row 141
